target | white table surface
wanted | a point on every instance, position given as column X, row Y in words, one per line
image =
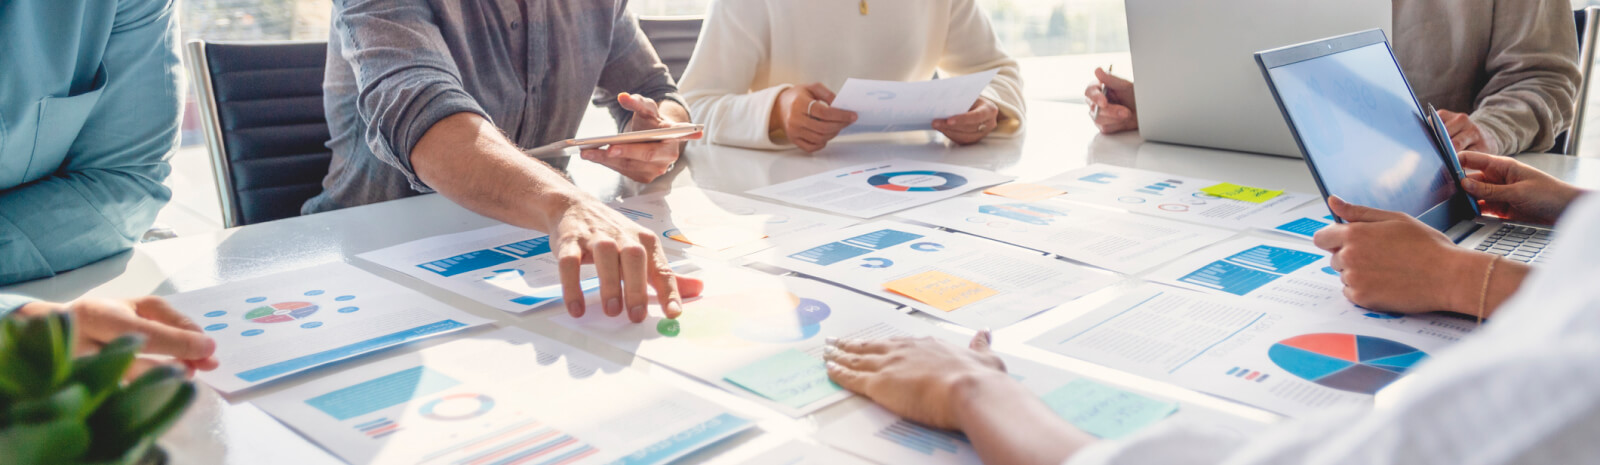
column 1059, row 138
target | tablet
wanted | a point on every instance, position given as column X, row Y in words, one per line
column 648, row 135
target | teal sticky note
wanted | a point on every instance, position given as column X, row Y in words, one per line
column 790, row 378
column 1104, row 411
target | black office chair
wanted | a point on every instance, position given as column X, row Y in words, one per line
column 261, row 106
column 674, row 38
column 1567, row 142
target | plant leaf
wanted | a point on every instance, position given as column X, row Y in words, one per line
column 146, row 407
column 57, row 442
column 102, row 373
column 71, row 403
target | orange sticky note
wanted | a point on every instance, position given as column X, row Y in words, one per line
column 942, row 290
column 716, row 237
column 1024, row 191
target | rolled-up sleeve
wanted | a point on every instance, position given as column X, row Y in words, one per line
column 405, row 78
column 632, row 66
column 108, row 191
column 1533, row 75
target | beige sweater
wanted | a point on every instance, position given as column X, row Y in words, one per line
column 1512, row 64
column 751, row 50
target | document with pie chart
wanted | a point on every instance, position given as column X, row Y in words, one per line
column 755, row 335
column 499, row 398
column 966, row 280
column 278, row 325
column 875, row 189
column 1280, row 359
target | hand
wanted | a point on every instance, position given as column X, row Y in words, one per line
column 645, row 161
column 922, row 379
column 970, row 127
column 166, row 331
column 1466, row 135
column 1390, row 261
column 627, row 258
column 1111, row 103
column 1509, row 189
column 809, row 125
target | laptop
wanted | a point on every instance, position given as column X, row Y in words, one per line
column 1367, row 139
column 1196, row 84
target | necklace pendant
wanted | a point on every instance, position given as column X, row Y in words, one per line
column 864, row 9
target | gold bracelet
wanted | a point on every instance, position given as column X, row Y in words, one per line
column 1483, row 295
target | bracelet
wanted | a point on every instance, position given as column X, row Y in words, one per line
column 1483, row 294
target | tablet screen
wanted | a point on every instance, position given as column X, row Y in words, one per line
column 1364, row 132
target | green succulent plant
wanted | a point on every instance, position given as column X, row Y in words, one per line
column 57, row 409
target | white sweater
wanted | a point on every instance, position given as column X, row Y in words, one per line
column 752, row 50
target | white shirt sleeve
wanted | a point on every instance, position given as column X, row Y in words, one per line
column 972, row 47
column 734, row 45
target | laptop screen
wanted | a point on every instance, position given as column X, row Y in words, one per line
column 1364, row 133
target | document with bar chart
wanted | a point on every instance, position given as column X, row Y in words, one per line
column 277, row 325
column 755, row 335
column 505, row 267
column 1284, row 360
column 457, row 404
column 718, row 225
column 1168, row 196
column 1117, row 241
column 1296, row 274
column 875, row 189
column 966, row 280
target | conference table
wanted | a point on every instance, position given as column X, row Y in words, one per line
column 1058, row 137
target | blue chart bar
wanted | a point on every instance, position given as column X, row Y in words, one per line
column 528, row 248
column 830, row 253
column 634, row 214
column 467, row 262
column 921, row 438
column 381, row 393
column 1304, row 226
column 1229, row 278
column 333, row 355
column 1281, row 261
column 882, row 239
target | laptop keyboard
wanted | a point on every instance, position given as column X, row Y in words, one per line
column 1518, row 243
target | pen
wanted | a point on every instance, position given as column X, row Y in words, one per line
column 1095, row 113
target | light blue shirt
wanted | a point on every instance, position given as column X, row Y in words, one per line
column 89, row 112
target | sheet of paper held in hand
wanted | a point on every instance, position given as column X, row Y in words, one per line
column 890, row 106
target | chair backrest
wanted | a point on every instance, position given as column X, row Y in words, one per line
column 674, row 38
column 1587, row 32
column 261, row 107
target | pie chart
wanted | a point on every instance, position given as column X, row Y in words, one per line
column 281, row 312
column 1346, row 362
column 917, row 181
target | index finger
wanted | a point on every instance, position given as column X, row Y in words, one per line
column 973, row 117
column 863, row 346
column 161, row 338
column 821, row 92
column 665, row 281
column 1498, row 167
column 1331, row 238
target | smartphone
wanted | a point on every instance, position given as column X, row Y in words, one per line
column 648, row 135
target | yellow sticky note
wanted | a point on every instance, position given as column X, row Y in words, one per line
column 1025, row 192
column 716, row 237
column 1238, row 192
column 941, row 290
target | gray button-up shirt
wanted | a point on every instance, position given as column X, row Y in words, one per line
column 396, row 67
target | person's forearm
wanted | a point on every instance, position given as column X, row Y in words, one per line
column 1483, row 290
column 465, row 158
column 1009, row 425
